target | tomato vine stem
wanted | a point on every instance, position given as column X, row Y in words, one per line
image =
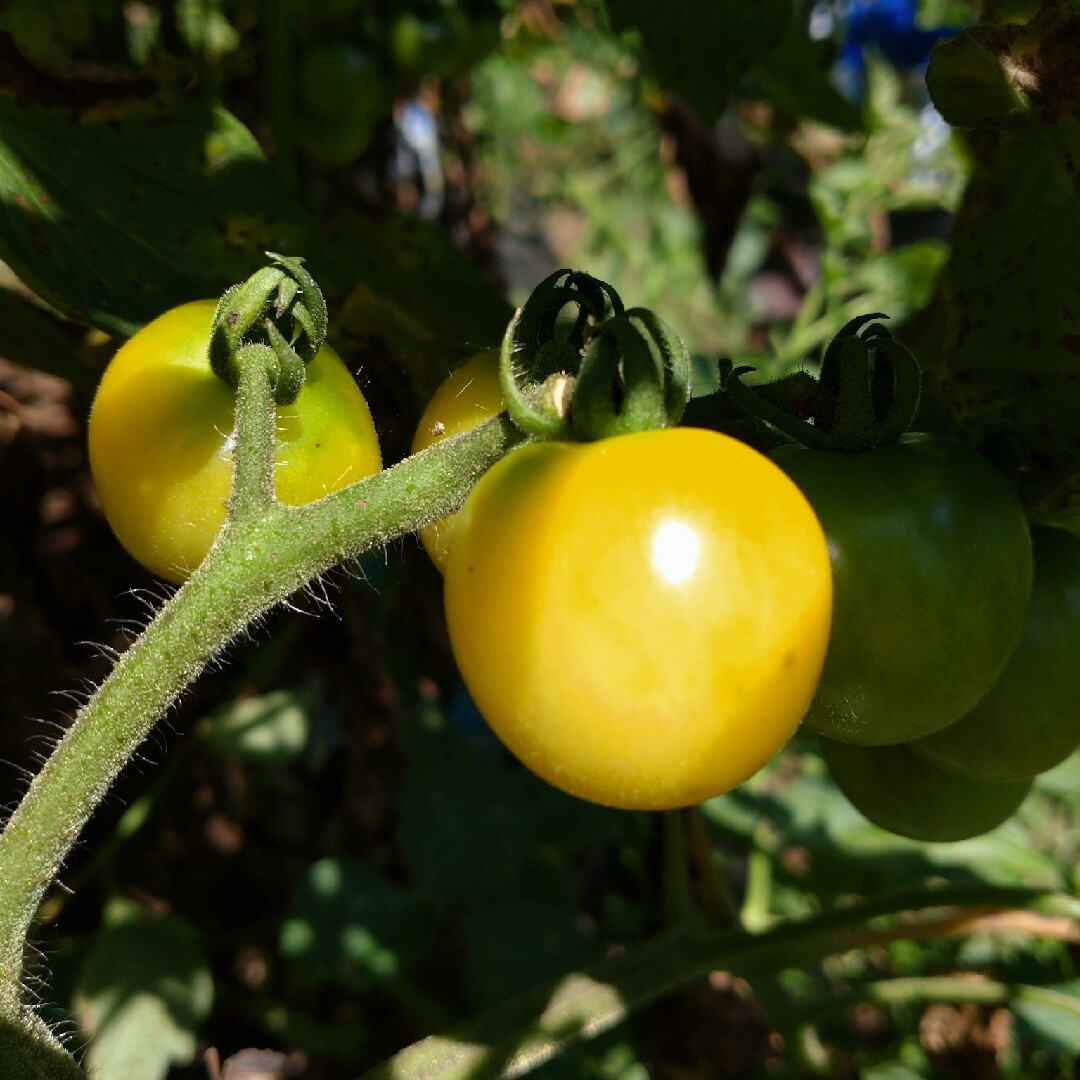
column 264, row 554
column 253, row 436
column 522, row 1034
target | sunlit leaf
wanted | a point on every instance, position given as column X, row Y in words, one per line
column 350, row 926
column 143, row 990
column 1053, row 1013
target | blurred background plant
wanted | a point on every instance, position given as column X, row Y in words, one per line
column 325, row 852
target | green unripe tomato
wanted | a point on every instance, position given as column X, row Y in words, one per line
column 1030, row 719
column 337, row 78
column 160, row 435
column 467, row 397
column 428, row 45
column 343, row 95
column 931, row 561
column 334, row 142
column 904, row 793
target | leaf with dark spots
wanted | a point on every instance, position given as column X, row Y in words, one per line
column 1007, row 362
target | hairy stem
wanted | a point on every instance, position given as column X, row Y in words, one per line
column 253, row 437
column 258, row 560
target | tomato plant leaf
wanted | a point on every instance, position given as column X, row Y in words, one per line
column 351, row 927
column 795, row 76
column 1053, row 1014
column 391, row 307
column 143, row 989
column 134, row 205
column 702, row 51
column 494, row 930
column 69, row 27
column 269, row 730
column 472, row 830
column 30, row 337
column 1009, row 365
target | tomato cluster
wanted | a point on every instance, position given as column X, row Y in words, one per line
column 645, row 619
column 637, row 630
column 948, row 682
column 951, row 679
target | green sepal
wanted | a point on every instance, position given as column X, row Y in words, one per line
column 866, row 395
column 532, row 406
column 248, row 315
column 635, row 376
column 539, row 358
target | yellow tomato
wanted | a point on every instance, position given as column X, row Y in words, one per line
column 642, row 620
column 160, row 440
column 468, row 397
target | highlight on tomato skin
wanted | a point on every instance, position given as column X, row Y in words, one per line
column 641, row 620
column 160, row 440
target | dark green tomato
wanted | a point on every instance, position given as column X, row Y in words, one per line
column 429, row 45
column 899, row 790
column 931, row 560
column 1030, row 719
column 337, row 79
column 334, row 143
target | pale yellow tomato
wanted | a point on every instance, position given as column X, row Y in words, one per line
column 160, row 430
column 467, row 397
column 641, row 620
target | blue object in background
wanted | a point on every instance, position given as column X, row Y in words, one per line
column 889, row 27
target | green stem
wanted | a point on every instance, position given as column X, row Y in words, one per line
column 253, row 437
column 678, row 901
column 523, row 1033
column 949, row 988
column 755, row 913
column 255, row 564
column 717, row 903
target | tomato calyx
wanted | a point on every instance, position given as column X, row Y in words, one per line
column 612, row 371
column 865, row 396
column 635, row 376
column 245, row 328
